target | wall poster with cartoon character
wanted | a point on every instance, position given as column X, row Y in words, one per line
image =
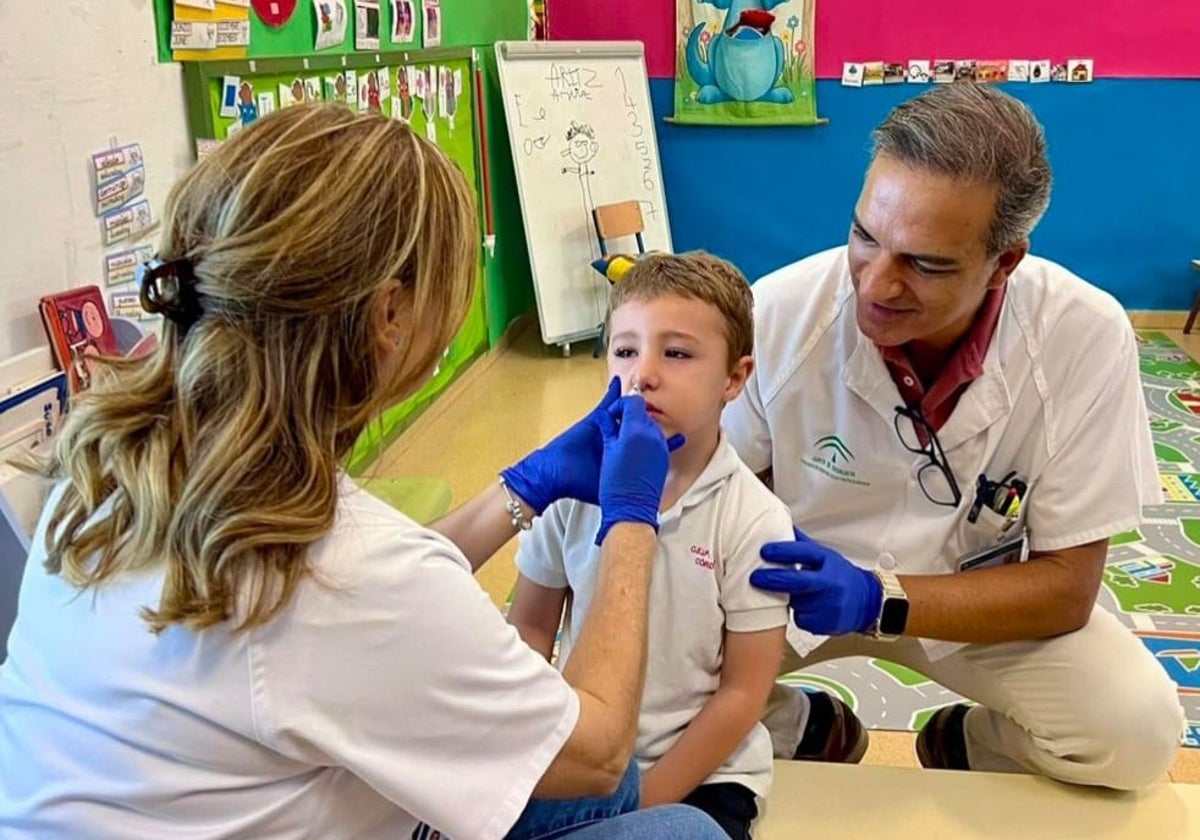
column 745, row 62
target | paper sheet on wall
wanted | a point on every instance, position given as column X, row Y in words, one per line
column 404, row 18
column 331, row 21
column 366, row 24
column 433, row 23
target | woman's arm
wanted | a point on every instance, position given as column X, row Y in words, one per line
column 749, row 670
column 483, row 525
column 536, row 612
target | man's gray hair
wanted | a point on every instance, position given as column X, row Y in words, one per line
column 976, row 133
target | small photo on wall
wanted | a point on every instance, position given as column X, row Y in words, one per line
column 852, row 73
column 298, row 92
column 351, row 77
column 266, row 103
column 992, row 72
column 433, row 23
column 1079, row 69
column 402, row 101
column 919, row 71
column 404, row 18
column 331, row 23
column 873, row 73
column 229, row 96
column 1018, row 70
column 247, row 104
column 964, row 71
column 312, row 89
column 369, row 93
column 366, row 24
column 1039, row 71
column 943, row 72
column 894, row 73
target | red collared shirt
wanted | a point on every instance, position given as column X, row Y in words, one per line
column 965, row 366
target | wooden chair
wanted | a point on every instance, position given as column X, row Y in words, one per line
column 613, row 222
column 1191, row 319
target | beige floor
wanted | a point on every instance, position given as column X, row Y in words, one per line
column 516, row 398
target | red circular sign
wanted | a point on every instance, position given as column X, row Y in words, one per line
column 274, row 12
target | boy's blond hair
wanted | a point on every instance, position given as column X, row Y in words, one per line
column 219, row 453
column 696, row 275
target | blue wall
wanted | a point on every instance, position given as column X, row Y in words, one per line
column 1125, row 212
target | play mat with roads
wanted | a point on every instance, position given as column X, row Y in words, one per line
column 1152, row 582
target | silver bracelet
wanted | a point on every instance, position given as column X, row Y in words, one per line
column 520, row 521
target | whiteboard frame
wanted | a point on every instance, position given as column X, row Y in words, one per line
column 508, row 51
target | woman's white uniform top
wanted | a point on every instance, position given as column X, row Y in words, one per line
column 389, row 691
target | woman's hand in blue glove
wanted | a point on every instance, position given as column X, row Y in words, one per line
column 830, row 596
column 635, row 464
column 568, row 467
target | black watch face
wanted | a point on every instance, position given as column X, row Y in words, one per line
column 894, row 617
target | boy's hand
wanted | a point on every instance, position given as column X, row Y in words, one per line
column 634, row 469
column 830, row 595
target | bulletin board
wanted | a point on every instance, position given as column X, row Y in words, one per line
column 452, row 128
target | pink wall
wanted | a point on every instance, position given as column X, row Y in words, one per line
column 1130, row 38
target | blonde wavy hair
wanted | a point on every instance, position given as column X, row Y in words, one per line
column 219, row 453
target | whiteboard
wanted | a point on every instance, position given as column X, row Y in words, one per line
column 582, row 135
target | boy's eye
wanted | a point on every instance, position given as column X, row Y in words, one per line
column 675, row 353
column 624, row 352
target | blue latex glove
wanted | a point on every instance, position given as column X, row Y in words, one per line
column 634, row 468
column 568, row 467
column 830, row 595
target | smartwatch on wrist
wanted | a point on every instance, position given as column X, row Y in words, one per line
column 893, row 609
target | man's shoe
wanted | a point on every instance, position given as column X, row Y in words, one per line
column 833, row 732
column 942, row 742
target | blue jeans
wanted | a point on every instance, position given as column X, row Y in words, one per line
column 614, row 817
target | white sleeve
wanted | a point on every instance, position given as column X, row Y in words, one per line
column 410, row 679
column 1094, row 484
column 540, row 549
column 747, row 608
column 745, row 423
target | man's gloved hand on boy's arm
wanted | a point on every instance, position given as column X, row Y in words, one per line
column 830, row 596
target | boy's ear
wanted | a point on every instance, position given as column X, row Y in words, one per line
column 741, row 371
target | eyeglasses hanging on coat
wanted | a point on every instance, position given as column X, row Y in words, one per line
column 918, row 436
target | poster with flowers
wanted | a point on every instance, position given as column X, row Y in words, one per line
column 745, row 62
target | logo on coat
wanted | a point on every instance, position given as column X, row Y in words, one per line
column 832, row 457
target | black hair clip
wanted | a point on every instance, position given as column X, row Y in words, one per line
column 169, row 289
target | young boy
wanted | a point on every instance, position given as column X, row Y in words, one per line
column 681, row 333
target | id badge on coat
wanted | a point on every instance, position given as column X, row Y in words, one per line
column 1012, row 550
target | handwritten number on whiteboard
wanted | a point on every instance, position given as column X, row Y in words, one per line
column 636, row 130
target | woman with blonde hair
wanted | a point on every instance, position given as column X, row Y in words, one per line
column 219, row 635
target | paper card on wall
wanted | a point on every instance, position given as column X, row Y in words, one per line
column 351, row 88
column 116, row 191
column 125, row 304
column 266, row 103
column 943, row 71
column 992, row 72
column 964, row 71
column 207, row 5
column 1058, row 73
column 121, row 266
column 241, row 4
column 312, row 89
column 193, row 35
column 852, row 73
column 919, row 71
column 331, row 23
column 369, row 93
column 285, row 96
column 113, row 162
column 433, row 23
column 1039, row 71
column 247, row 104
column 296, row 91
column 366, row 24
column 233, row 33
column 894, row 73
column 873, row 73
column 1018, row 70
column 403, row 21
column 402, row 99
column 229, row 96
column 431, row 131
column 385, row 84
column 1079, row 69
column 332, row 89
column 429, row 100
column 126, row 222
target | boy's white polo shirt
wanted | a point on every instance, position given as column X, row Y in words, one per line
column 708, row 544
column 389, row 690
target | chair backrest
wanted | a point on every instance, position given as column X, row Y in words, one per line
column 621, row 219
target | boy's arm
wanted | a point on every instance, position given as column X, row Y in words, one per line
column 749, row 670
column 536, row 612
